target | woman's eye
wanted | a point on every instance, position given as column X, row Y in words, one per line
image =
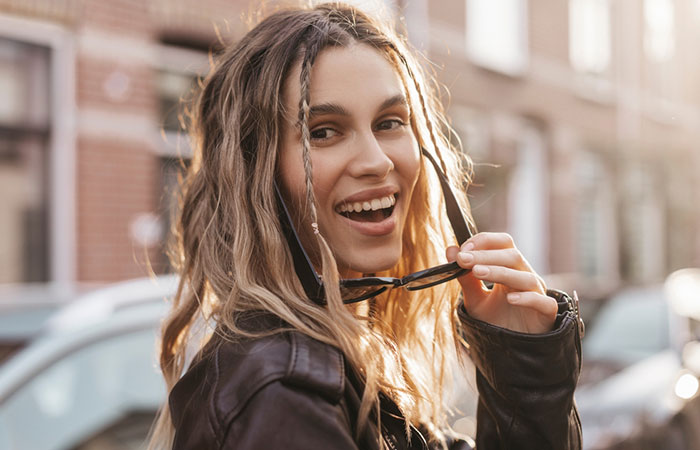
column 390, row 124
column 321, row 134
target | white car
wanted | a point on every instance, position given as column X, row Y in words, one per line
column 90, row 378
column 639, row 385
column 25, row 308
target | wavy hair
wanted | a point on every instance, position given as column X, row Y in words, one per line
column 405, row 344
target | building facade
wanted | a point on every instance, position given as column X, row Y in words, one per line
column 582, row 118
column 88, row 136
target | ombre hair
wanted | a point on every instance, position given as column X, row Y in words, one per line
column 231, row 254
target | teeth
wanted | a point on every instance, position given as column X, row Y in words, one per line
column 368, row 205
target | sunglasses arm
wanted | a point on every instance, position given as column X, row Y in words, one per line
column 313, row 286
column 454, row 212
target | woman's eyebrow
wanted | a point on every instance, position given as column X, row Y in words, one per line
column 336, row 109
column 327, row 108
column 398, row 99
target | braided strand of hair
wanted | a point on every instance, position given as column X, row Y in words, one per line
column 304, row 111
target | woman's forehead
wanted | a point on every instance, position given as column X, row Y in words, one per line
column 355, row 75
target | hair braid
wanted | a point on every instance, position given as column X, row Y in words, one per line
column 310, row 54
column 405, row 347
column 329, row 269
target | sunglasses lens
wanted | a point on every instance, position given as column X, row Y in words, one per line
column 351, row 294
column 431, row 279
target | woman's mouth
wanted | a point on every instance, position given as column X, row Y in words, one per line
column 374, row 210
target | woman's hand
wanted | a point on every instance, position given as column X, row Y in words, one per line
column 518, row 300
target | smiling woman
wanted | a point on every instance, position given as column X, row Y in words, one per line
column 365, row 157
column 320, row 156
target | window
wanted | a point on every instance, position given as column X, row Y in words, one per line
column 660, row 48
column 595, row 217
column 680, row 183
column 177, row 73
column 589, row 35
column 528, row 198
column 643, row 224
column 24, row 134
column 497, row 35
column 659, row 38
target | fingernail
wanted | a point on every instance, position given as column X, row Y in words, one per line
column 466, row 257
column 513, row 297
column 480, row 271
column 468, row 246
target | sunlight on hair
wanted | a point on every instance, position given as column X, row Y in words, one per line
column 379, row 9
column 405, row 345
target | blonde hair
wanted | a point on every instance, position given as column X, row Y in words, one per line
column 228, row 229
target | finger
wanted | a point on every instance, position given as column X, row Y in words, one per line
column 508, row 257
column 539, row 302
column 488, row 241
column 472, row 286
column 451, row 253
column 517, row 280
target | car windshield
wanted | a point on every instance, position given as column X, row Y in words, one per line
column 632, row 326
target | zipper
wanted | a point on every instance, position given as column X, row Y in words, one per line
column 389, row 439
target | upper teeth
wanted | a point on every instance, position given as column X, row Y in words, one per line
column 368, row 205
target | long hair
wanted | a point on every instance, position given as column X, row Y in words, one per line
column 228, row 230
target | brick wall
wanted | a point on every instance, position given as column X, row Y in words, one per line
column 119, row 142
column 622, row 126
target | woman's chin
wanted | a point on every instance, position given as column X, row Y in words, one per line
column 368, row 265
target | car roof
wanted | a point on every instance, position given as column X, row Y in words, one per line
column 25, row 307
column 112, row 311
column 101, row 303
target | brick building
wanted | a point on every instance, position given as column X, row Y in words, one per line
column 583, row 117
column 87, row 141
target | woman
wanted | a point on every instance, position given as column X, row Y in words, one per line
column 318, row 176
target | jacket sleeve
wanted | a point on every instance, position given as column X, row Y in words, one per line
column 526, row 382
column 283, row 416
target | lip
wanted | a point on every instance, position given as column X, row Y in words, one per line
column 369, row 194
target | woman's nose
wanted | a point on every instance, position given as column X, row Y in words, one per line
column 369, row 157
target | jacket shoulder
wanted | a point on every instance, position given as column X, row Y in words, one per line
column 224, row 381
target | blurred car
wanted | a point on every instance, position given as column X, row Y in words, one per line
column 639, row 383
column 89, row 379
column 24, row 309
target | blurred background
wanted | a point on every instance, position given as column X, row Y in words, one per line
column 582, row 116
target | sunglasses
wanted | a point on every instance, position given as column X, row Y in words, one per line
column 357, row 289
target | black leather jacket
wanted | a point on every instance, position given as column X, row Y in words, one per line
column 288, row 391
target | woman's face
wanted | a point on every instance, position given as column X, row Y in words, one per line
column 364, row 153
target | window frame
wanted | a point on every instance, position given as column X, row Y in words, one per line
column 61, row 151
